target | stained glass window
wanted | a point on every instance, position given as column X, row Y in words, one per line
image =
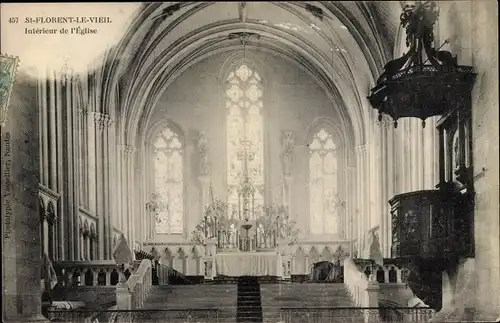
column 245, row 144
column 323, row 184
column 169, row 181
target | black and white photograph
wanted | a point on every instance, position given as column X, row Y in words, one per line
column 250, row 161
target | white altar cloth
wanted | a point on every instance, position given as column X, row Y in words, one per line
column 248, row 264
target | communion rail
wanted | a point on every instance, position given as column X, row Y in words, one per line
column 135, row 316
column 355, row 314
column 287, row 315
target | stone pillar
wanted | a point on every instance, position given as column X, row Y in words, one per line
column 44, row 157
column 123, row 297
column 69, row 171
column 129, row 202
column 61, row 109
column 288, row 194
column 92, row 124
column 391, row 183
column 372, row 290
column 205, row 187
column 21, row 226
column 108, row 194
column 99, row 183
column 121, row 182
column 351, row 215
column 362, row 194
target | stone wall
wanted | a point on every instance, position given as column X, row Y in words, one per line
column 21, row 245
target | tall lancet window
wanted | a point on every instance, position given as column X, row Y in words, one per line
column 245, row 132
column 323, row 192
column 169, row 181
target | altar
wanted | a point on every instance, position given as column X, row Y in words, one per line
column 236, row 264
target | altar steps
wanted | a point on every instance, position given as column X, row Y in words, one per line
column 249, row 300
column 182, row 298
column 235, row 280
column 301, row 296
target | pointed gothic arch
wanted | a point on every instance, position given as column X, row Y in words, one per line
column 243, row 97
column 326, row 152
column 167, row 152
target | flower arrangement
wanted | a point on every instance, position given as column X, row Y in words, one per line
column 293, row 233
column 277, row 214
column 217, row 209
column 198, row 234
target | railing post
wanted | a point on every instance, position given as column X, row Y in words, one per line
column 386, row 275
column 399, row 276
column 123, row 297
column 372, row 291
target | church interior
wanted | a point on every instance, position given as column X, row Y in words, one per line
column 261, row 162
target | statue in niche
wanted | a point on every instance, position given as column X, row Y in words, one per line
column 288, row 148
column 203, row 151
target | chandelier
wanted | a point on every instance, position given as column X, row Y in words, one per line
column 425, row 81
column 157, row 205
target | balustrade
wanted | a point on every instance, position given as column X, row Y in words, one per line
column 355, row 314
column 364, row 292
column 87, row 273
column 132, row 293
column 389, row 273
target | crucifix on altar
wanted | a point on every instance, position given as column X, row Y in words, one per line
column 246, row 191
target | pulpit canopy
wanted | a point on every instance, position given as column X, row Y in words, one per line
column 425, row 80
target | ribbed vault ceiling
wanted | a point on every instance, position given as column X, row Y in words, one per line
column 344, row 49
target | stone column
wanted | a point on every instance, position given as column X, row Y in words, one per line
column 61, row 109
column 362, row 190
column 21, row 226
column 391, row 182
column 431, row 154
column 383, row 186
column 205, row 187
column 107, row 169
column 372, row 290
column 351, row 214
column 99, row 182
column 70, row 172
column 288, row 194
column 92, row 125
column 44, row 157
column 129, row 193
column 121, row 182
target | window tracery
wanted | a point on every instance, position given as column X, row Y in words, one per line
column 169, row 181
column 245, row 132
column 323, row 180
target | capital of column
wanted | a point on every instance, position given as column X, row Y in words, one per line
column 126, row 150
column 109, row 121
column 361, row 149
column 102, row 120
column 82, row 112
